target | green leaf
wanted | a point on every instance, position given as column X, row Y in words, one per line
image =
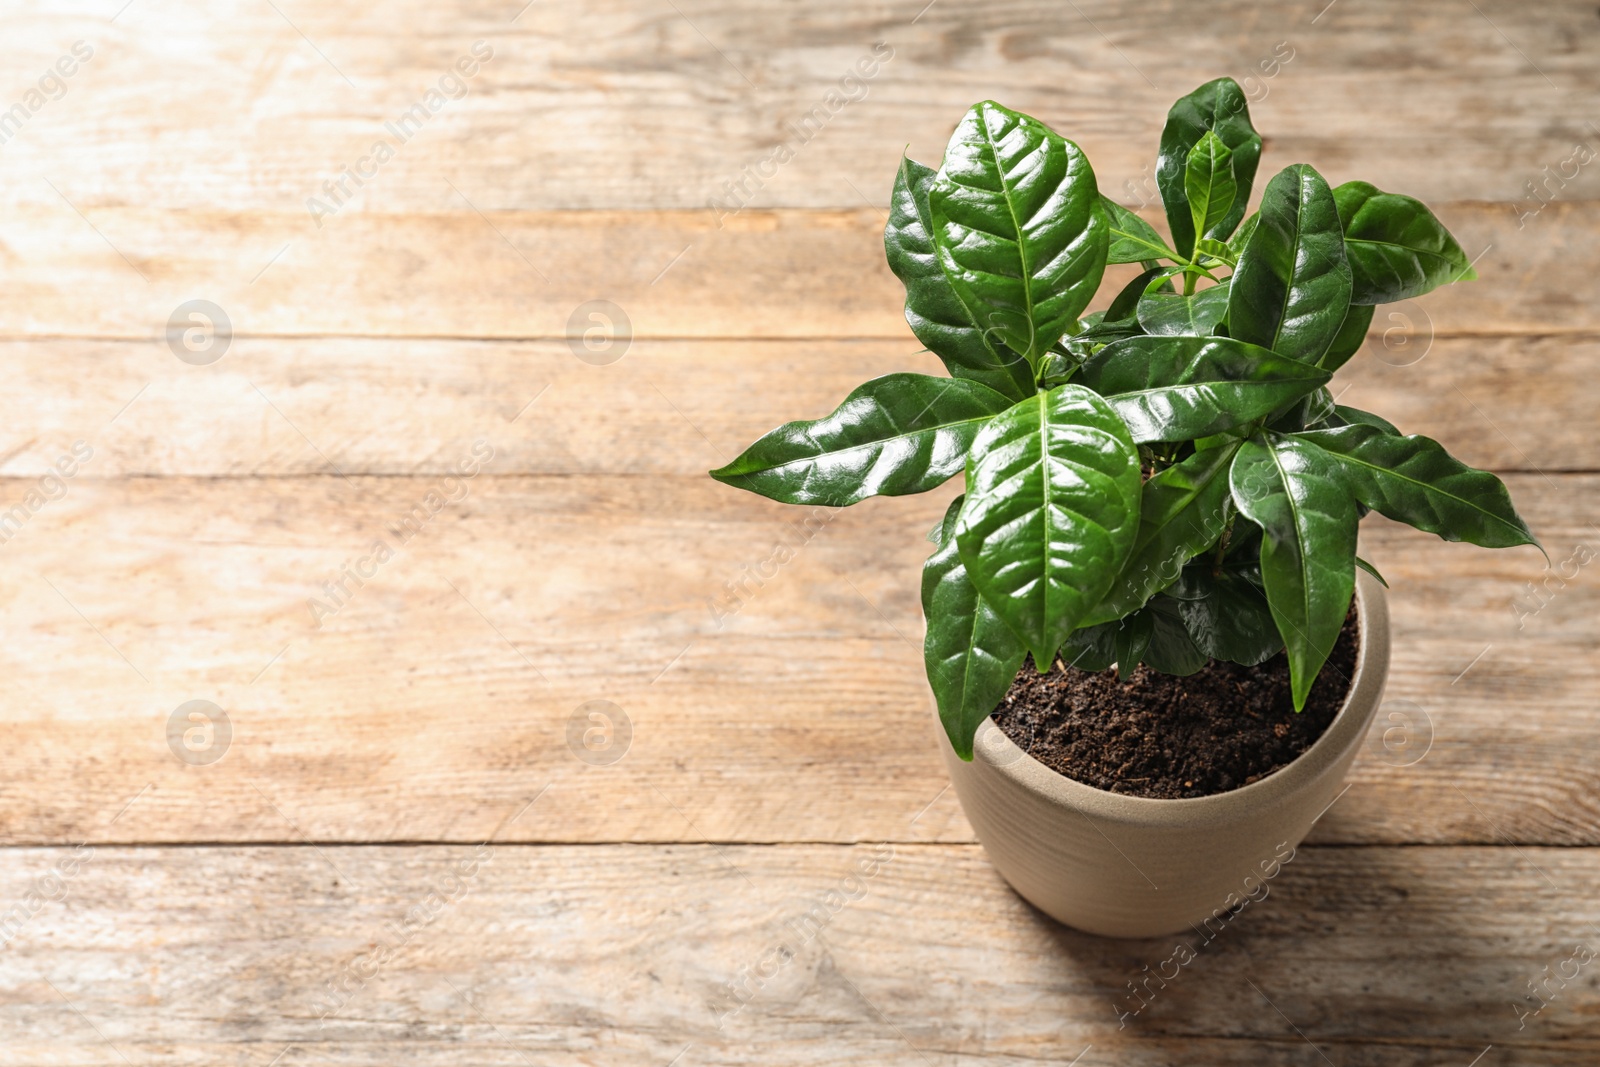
column 1092, row 648
column 1217, row 250
column 1171, row 649
column 1051, row 511
column 1217, row 106
column 1182, row 510
column 1292, row 287
column 1415, row 481
column 1242, row 235
column 898, row 434
column 1180, row 388
column 1132, row 638
column 1311, row 411
column 1019, row 227
column 1294, row 492
column 936, row 315
column 1133, row 240
column 1370, row 569
column 1398, row 249
column 1351, row 336
column 1226, row 614
column 1357, row 417
column 971, row 656
column 1176, row 315
column 1208, row 183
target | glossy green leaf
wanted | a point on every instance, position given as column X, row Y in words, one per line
column 1182, row 511
column 1133, row 240
column 1019, row 227
column 1216, row 250
column 1130, row 641
column 1180, row 388
column 1051, row 511
column 1294, row 492
column 1218, row 106
column 1226, row 613
column 1125, row 305
column 1311, row 411
column 971, row 656
column 1398, row 249
column 1351, row 336
column 1242, row 235
column 1208, row 183
column 1356, row 417
column 898, row 434
column 1171, row 649
column 1092, row 648
column 1415, row 481
column 1176, row 315
column 1292, row 288
column 935, row 314
column 1370, row 569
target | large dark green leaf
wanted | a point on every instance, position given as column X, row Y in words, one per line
column 1180, row 388
column 1293, row 491
column 1218, row 106
column 1171, row 649
column 1051, row 511
column 971, row 656
column 1226, row 613
column 1415, row 481
column 1019, row 227
column 1176, row 315
column 1182, row 510
column 1398, row 249
column 1351, row 336
column 936, row 315
column 898, row 434
column 1091, row 648
column 1133, row 240
column 1208, row 183
column 1292, row 287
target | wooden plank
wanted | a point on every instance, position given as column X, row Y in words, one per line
column 624, row 103
column 772, row 675
column 897, row 954
column 798, row 274
column 361, row 406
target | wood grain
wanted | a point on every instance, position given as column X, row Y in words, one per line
column 120, row 271
column 897, row 954
column 622, row 104
column 795, row 710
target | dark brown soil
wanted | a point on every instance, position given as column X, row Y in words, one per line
column 1161, row 736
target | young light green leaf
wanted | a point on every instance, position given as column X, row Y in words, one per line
column 1398, row 249
column 1051, row 511
column 971, row 656
column 1218, row 250
column 1292, row 288
column 898, row 434
column 1133, row 240
column 1019, row 227
column 1208, row 183
column 1180, row 388
column 1176, row 315
column 1182, row 511
column 1220, row 107
column 935, row 314
column 1415, row 481
column 1292, row 490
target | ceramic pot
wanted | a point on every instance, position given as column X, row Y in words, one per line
column 1127, row 866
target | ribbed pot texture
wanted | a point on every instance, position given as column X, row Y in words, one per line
column 1125, row 866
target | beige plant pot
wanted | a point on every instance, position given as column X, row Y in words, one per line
column 1127, row 866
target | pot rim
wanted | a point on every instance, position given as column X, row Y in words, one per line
column 1005, row 758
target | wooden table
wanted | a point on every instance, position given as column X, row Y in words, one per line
column 407, row 851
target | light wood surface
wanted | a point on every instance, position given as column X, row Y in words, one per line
column 780, row 737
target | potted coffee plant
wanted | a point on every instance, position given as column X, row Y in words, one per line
column 1167, row 488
